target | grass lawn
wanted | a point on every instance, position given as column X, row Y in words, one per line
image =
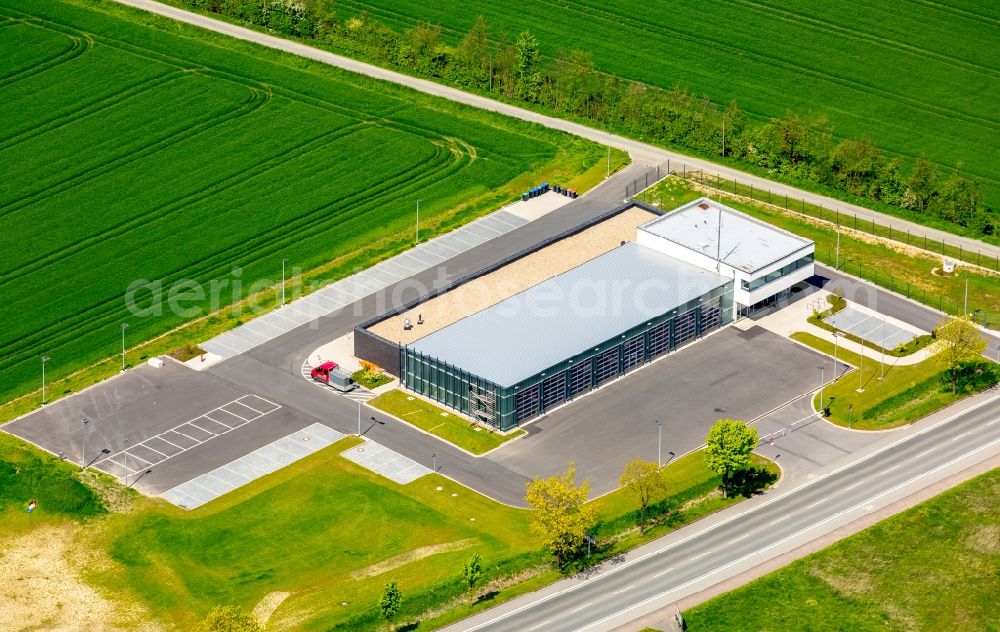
column 897, row 379
column 441, row 423
column 334, row 533
column 203, row 163
column 935, row 566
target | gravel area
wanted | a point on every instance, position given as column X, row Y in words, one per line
column 515, row 277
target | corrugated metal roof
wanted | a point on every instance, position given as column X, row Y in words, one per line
column 568, row 314
column 747, row 244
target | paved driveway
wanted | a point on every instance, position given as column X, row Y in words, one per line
column 729, row 374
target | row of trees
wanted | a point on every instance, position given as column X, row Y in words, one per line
column 511, row 66
column 562, row 519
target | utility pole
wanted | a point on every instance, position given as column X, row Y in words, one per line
column 836, row 338
column 659, row 443
column 359, row 418
column 881, row 372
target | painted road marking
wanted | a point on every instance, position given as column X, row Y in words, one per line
column 890, row 469
column 629, row 587
column 777, row 520
column 994, row 421
column 847, row 489
column 742, row 537
column 542, row 624
column 579, row 608
column 662, row 573
column 925, row 453
column 820, row 501
column 698, row 557
column 957, row 437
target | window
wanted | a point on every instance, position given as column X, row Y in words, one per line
column 777, row 274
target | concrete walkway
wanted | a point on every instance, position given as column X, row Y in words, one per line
column 793, row 317
column 639, row 151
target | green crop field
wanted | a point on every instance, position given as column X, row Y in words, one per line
column 913, row 76
column 135, row 148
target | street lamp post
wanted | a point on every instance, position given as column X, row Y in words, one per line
column 836, row 337
column 45, row 359
column 359, row 418
column 124, row 327
column 434, row 461
column 416, row 233
column 659, row 443
column 881, row 370
column 822, row 379
column 125, row 441
column 609, row 155
column 83, row 460
column 283, row 262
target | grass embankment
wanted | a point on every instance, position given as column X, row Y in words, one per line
column 905, row 394
column 441, row 423
column 253, row 156
column 890, row 265
column 371, row 379
column 933, row 567
column 334, row 534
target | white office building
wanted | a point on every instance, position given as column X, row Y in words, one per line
column 764, row 261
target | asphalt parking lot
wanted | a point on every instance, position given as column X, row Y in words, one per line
column 172, row 418
column 729, row 374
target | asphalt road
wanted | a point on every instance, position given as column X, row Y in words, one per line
column 660, row 576
column 639, row 151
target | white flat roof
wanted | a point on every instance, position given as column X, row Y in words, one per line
column 747, row 244
column 568, row 314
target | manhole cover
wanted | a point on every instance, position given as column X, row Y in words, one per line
column 305, row 438
column 361, row 449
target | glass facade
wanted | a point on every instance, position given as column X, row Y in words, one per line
column 777, row 274
column 506, row 407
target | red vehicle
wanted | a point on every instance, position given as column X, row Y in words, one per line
column 321, row 373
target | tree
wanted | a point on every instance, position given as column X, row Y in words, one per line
column 560, row 516
column 473, row 571
column 230, row 619
column 729, row 444
column 856, row 162
column 642, row 479
column 390, row 603
column 529, row 79
column 958, row 199
column 473, row 51
column 958, row 342
column 922, row 184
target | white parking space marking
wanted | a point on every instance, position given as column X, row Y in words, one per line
column 198, row 430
